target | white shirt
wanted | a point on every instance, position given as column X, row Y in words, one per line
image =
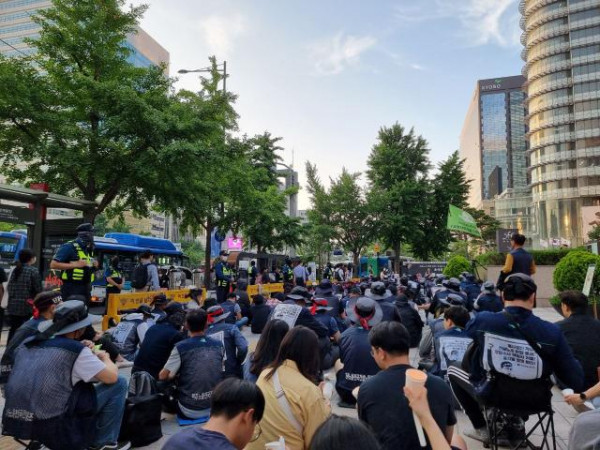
column 86, row 367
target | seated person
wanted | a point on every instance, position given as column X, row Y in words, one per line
column 44, row 307
column 382, row 403
column 488, row 300
column 452, row 343
column 235, row 312
column 160, row 340
column 199, row 362
column 159, row 303
column 489, row 330
column 409, row 316
column 260, row 313
column 129, row 334
column 380, row 294
column 585, row 433
column 357, row 363
column 195, row 296
column 582, row 332
column 236, row 345
column 435, row 327
column 236, row 408
column 321, row 310
column 54, row 370
column 266, row 349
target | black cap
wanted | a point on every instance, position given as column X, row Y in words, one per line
column 299, row 293
column 160, row 299
column 85, row 228
column 223, row 253
column 174, row 308
column 258, row 299
column 47, row 298
column 144, row 309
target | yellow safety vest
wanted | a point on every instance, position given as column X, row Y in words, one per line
column 226, row 272
column 79, row 274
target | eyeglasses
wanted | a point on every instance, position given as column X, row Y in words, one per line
column 257, row 433
column 373, row 351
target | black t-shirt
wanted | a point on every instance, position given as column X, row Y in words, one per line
column 383, row 406
column 156, row 348
column 199, row 439
column 355, row 354
column 3, row 278
column 260, row 317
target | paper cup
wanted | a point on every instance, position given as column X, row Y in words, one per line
column 416, row 379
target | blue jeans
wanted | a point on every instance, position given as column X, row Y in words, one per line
column 111, row 406
column 240, row 323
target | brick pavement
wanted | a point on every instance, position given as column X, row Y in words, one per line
column 564, row 414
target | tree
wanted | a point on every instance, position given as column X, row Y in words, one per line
column 80, row 117
column 486, row 224
column 450, row 186
column 398, row 169
column 344, row 211
column 104, row 225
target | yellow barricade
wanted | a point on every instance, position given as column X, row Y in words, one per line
column 255, row 289
column 120, row 302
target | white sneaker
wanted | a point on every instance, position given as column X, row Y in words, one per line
column 123, row 364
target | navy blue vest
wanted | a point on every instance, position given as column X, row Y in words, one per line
column 39, row 386
column 201, row 370
column 223, row 332
column 521, row 261
column 126, row 338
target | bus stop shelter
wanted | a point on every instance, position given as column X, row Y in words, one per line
column 33, row 214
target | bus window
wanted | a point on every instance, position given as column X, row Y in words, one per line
column 8, row 248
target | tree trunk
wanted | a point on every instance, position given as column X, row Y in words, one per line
column 89, row 216
column 355, row 260
column 207, row 251
column 397, row 262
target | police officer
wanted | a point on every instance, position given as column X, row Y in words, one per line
column 75, row 260
column 252, row 272
column 223, row 274
column 287, row 272
column 328, row 272
column 114, row 278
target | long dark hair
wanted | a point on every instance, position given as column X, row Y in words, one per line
column 300, row 345
column 343, row 432
column 268, row 345
column 25, row 256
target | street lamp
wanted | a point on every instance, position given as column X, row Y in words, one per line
column 208, row 69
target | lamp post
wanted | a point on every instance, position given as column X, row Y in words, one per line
column 223, row 70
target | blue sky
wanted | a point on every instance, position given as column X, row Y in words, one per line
column 326, row 75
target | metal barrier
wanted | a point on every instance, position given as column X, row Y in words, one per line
column 120, row 302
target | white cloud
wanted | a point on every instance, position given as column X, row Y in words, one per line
column 221, row 32
column 482, row 21
column 333, row 55
column 416, row 66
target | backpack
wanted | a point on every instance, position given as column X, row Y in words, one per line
column 143, row 407
column 139, row 277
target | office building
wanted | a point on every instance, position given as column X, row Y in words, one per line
column 494, row 147
column 16, row 25
column 561, row 42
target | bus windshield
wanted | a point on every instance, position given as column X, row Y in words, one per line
column 8, row 248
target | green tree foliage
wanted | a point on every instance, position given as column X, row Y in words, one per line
column 343, row 212
column 398, row 169
column 457, row 265
column 194, row 251
column 594, row 233
column 449, row 186
column 571, row 270
column 80, row 116
column 104, row 225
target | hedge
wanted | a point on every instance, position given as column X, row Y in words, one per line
column 541, row 257
column 457, row 265
column 570, row 272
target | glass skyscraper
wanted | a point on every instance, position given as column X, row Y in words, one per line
column 16, row 25
column 562, row 66
column 493, row 139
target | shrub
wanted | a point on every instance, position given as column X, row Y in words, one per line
column 457, row 265
column 491, row 259
column 571, row 270
column 541, row 257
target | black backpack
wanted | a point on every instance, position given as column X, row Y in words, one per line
column 139, row 278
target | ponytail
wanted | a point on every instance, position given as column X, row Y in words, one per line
column 25, row 256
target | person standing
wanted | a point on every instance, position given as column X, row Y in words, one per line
column 252, row 272
column 114, row 277
column 300, row 274
column 24, row 284
column 145, row 274
column 518, row 260
column 223, row 275
column 75, row 260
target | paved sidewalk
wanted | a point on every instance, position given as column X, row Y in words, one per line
column 563, row 418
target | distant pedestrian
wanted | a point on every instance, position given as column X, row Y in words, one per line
column 518, row 260
column 24, row 284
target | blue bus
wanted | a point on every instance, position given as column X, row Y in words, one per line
column 11, row 243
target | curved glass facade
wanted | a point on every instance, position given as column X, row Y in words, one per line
column 562, row 67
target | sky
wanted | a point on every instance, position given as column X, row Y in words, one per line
column 327, row 75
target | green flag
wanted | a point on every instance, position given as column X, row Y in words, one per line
column 462, row 221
